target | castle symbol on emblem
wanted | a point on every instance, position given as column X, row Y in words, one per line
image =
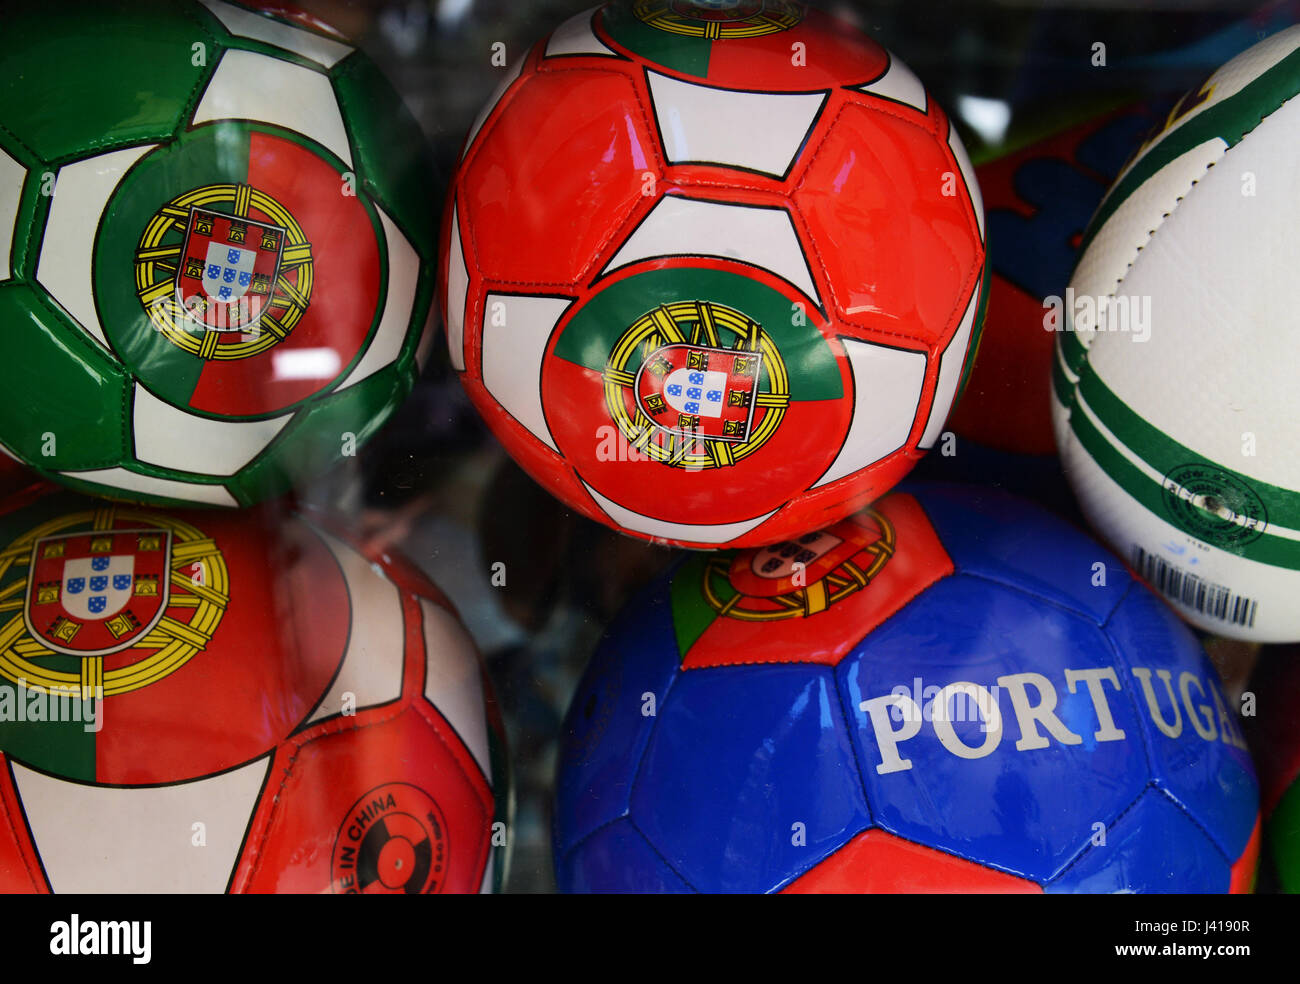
column 692, row 401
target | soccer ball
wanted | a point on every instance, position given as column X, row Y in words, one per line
column 950, row 691
column 208, row 701
column 216, row 237
column 1174, row 386
column 712, row 272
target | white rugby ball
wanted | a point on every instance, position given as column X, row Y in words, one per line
column 1176, row 395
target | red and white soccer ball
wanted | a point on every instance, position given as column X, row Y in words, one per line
column 272, row 708
column 713, row 271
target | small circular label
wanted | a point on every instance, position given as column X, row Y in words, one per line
column 392, row 842
column 1214, row 505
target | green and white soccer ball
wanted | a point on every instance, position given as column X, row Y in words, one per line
column 217, row 229
column 1175, row 400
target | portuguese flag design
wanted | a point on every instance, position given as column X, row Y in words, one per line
column 236, row 274
column 182, row 658
column 729, row 43
column 777, row 420
column 756, row 606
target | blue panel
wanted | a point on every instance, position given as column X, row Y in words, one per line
column 1027, row 811
column 1154, row 847
column 1035, row 251
column 1108, row 149
column 740, row 756
column 1214, row 779
column 605, row 731
column 616, row 859
column 1005, row 538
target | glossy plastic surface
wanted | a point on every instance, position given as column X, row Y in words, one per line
column 704, row 289
column 313, row 717
column 221, row 261
column 795, row 738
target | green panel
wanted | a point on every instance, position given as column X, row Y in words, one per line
column 208, row 155
column 977, row 330
column 57, row 380
column 83, row 75
column 1229, row 120
column 29, row 223
column 313, row 441
column 1284, row 839
column 63, row 747
column 691, row 613
column 392, row 157
column 591, row 335
column 690, row 56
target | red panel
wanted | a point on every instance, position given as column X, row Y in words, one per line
column 277, row 646
column 879, row 862
column 313, row 828
column 901, row 259
column 833, row 54
column 1245, row 867
column 1007, row 404
column 345, row 290
column 826, row 637
column 562, row 171
column 20, row 869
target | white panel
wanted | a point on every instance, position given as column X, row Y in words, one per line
column 1216, row 357
column 246, row 24
column 950, row 367
column 1125, row 523
column 575, row 37
column 887, row 386
column 512, row 355
column 764, row 237
column 171, row 438
column 11, row 190
column 900, row 84
column 690, row 532
column 512, row 73
column 97, row 839
column 453, row 680
column 81, row 192
column 372, row 665
column 485, row 888
column 1114, row 248
column 754, row 130
column 968, row 175
column 403, row 279
column 457, row 291
column 252, row 86
column 122, row 480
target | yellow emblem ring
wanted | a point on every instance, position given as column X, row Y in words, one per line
column 155, row 272
column 702, row 323
column 200, row 581
column 772, row 17
column 834, row 587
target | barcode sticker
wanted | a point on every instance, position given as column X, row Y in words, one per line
column 1190, row 589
